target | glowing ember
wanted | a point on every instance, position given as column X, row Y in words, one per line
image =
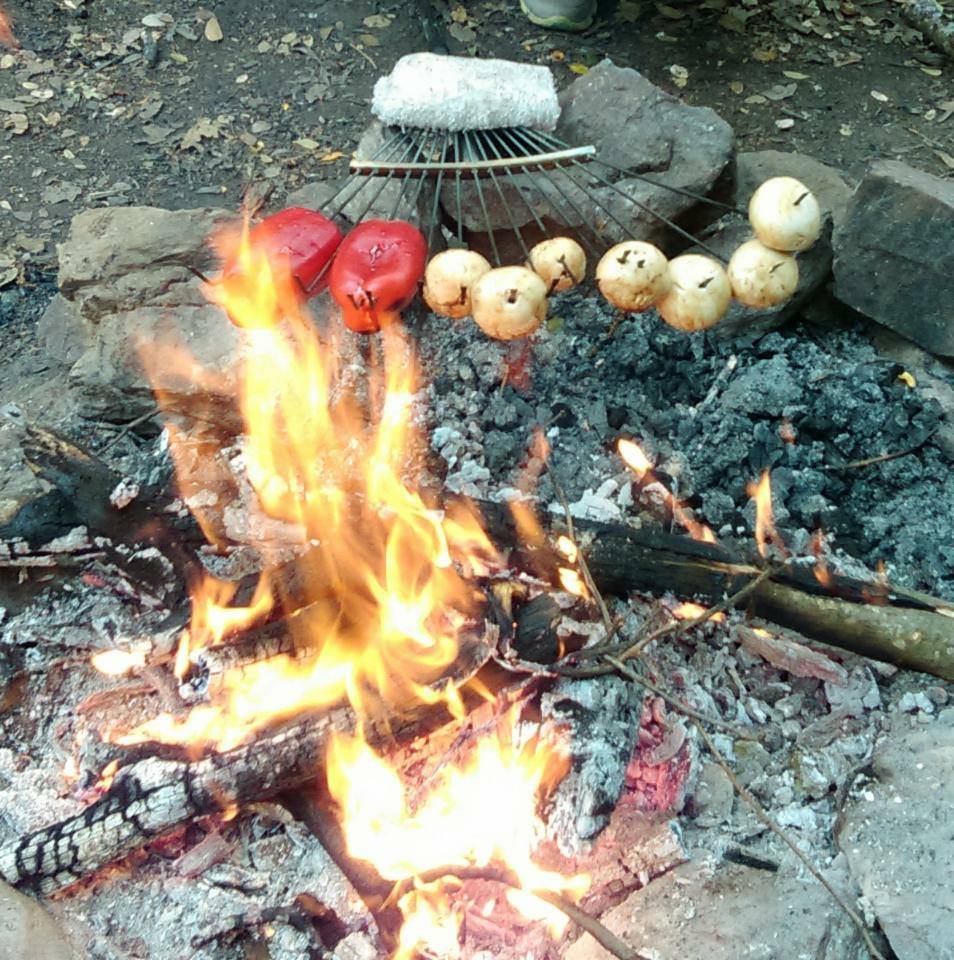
column 572, row 582
column 117, row 663
column 639, row 463
column 568, row 548
column 692, row 611
column 453, row 826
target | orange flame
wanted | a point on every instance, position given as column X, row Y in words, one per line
column 765, row 533
column 821, row 571
column 568, row 548
column 453, row 825
column 332, row 467
column 640, row 464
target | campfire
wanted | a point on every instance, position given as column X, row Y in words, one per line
column 439, row 722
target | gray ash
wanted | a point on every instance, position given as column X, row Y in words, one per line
column 802, row 402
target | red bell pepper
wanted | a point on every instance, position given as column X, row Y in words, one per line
column 302, row 240
column 376, row 273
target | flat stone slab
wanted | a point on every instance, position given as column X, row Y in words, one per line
column 894, row 254
column 898, row 835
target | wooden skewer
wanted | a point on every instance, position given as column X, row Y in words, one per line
column 379, row 167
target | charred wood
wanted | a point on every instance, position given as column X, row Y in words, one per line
column 871, row 618
column 153, row 795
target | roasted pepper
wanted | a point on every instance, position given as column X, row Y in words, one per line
column 376, row 273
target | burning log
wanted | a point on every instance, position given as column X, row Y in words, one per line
column 873, row 619
column 152, row 795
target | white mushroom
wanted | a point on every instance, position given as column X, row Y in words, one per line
column 761, row 277
column 785, row 214
column 560, row 262
column 633, row 275
column 509, row 302
column 449, row 279
column 699, row 296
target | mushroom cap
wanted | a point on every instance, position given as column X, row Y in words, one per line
column 699, row 296
column 509, row 302
column 785, row 215
column 559, row 261
column 449, row 280
column 760, row 276
column 633, row 275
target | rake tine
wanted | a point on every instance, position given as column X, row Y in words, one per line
column 378, row 154
column 432, row 144
column 495, row 146
column 584, row 220
column 636, row 203
column 457, row 187
column 503, row 199
column 701, row 198
column 422, row 151
column 409, row 146
column 483, row 204
column 435, row 210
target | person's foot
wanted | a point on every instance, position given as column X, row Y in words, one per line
column 560, row 14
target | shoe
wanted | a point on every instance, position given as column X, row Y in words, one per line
column 572, row 15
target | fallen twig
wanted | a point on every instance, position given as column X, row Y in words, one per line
column 127, row 428
column 883, row 457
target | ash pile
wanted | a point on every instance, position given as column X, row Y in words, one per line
column 723, row 758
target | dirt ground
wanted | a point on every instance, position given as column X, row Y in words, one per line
column 178, row 105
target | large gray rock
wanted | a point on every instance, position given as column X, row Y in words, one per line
column 127, row 297
column 894, row 254
column 634, row 125
column 119, row 258
column 695, row 914
column 134, row 355
column 897, row 835
column 828, row 185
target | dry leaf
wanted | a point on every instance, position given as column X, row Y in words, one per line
column 679, row 74
column 376, row 20
column 459, row 14
column 671, row 12
column 579, row 69
column 325, row 32
column 845, row 60
column 202, row 129
column 736, row 86
column 213, row 30
column 879, row 96
column 17, row 123
column 794, row 75
column 932, row 71
column 765, row 56
column 331, row 157
column 786, row 123
column 946, row 159
column 8, row 272
column 948, row 107
column 781, row 91
column 368, row 39
column 306, row 143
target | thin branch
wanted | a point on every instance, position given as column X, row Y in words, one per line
column 605, row 937
column 763, row 816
